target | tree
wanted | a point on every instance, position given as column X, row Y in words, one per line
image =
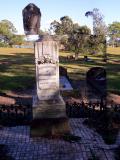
column 7, row 30
column 78, row 39
column 16, row 40
column 100, row 30
column 65, row 26
column 114, row 32
column 55, row 27
column 73, row 36
column 99, row 27
column 96, row 44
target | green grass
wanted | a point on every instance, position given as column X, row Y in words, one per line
column 17, row 68
column 77, row 69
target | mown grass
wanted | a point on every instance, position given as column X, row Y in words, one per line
column 77, row 69
column 17, row 68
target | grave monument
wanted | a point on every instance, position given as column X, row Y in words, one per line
column 49, row 112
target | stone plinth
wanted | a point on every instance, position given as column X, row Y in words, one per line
column 49, row 118
column 49, row 127
column 49, row 108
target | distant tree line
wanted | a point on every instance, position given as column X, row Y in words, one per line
column 8, row 36
column 79, row 39
column 73, row 37
column 114, row 34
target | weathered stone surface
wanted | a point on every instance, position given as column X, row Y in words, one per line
column 49, row 109
column 48, row 105
column 49, row 126
column 31, row 19
column 47, row 68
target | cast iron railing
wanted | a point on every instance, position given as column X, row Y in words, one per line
column 22, row 114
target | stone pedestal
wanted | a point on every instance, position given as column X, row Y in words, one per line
column 49, row 111
column 49, row 127
column 49, row 108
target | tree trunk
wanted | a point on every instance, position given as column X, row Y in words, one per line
column 76, row 56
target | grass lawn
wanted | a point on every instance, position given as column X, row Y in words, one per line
column 17, row 69
column 77, row 69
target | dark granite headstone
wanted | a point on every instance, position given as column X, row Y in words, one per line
column 31, row 19
column 63, row 71
column 96, row 76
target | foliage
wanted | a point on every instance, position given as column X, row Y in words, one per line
column 16, row 40
column 100, row 31
column 8, row 34
column 99, row 27
column 73, row 36
column 65, row 26
column 78, row 39
column 2, row 44
column 97, row 44
column 114, row 33
column 7, row 29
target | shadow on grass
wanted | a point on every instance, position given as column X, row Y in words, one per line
column 17, row 83
column 17, row 71
column 77, row 69
column 113, row 56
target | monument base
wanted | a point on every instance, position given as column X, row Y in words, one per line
column 49, row 118
column 49, row 127
column 49, row 108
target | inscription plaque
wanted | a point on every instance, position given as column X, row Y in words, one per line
column 47, row 69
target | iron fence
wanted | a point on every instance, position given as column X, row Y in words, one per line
column 81, row 110
column 22, row 114
column 15, row 114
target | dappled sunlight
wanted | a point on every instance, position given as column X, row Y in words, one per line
column 114, row 51
column 12, row 51
column 7, row 74
column 77, row 69
column 17, row 67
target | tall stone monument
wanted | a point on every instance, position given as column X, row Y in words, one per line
column 49, row 113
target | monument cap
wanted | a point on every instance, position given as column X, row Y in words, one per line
column 31, row 19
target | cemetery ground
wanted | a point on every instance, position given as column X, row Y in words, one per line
column 17, row 81
column 17, row 70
